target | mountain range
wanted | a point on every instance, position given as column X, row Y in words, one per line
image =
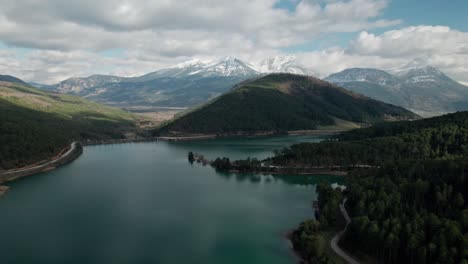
column 423, row 90
column 187, row 84
column 283, row 102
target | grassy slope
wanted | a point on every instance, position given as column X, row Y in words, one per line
column 35, row 125
column 283, row 102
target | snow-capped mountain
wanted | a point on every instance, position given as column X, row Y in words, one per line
column 423, row 90
column 363, row 75
column 226, row 67
column 421, row 74
column 186, row 84
column 287, row 64
column 80, row 85
column 229, row 66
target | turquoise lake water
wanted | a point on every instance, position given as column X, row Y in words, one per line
column 145, row 203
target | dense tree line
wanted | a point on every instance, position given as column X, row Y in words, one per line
column 438, row 138
column 247, row 165
column 412, row 212
column 28, row 136
column 413, row 206
column 410, row 206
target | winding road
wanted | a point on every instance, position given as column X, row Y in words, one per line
column 72, row 148
column 334, row 242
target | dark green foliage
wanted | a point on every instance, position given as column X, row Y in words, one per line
column 28, row 135
column 309, row 238
column 459, row 120
column 222, row 164
column 413, row 212
column 411, row 207
column 247, row 165
column 282, row 102
column 328, row 203
column 443, row 137
column 191, row 157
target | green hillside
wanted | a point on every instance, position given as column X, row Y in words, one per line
column 283, row 102
column 36, row 125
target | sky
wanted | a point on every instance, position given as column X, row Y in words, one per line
column 47, row 41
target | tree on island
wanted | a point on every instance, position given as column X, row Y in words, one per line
column 191, row 157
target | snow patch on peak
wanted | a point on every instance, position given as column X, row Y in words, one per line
column 362, row 75
column 191, row 63
column 228, row 66
column 418, row 74
column 287, row 64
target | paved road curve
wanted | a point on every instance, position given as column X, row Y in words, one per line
column 334, row 242
column 49, row 163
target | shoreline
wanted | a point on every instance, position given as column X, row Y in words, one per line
column 189, row 137
column 3, row 190
column 292, row 173
column 195, row 137
column 66, row 156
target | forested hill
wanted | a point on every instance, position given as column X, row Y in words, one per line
column 409, row 206
column 444, row 137
column 283, row 102
column 36, row 125
column 412, row 207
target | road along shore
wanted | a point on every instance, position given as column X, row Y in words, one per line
column 71, row 153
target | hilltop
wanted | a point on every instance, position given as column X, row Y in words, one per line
column 283, row 102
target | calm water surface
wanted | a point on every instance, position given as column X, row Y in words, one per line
column 144, row 203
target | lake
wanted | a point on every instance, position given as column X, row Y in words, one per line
column 145, row 203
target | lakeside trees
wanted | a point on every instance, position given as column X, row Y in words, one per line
column 36, row 125
column 412, row 212
column 310, row 239
column 409, row 206
column 413, row 207
column 444, row 137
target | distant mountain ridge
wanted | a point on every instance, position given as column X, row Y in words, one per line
column 9, row 78
column 424, row 90
column 187, row 84
column 184, row 85
column 283, row 102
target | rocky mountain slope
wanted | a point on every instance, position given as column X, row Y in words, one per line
column 423, row 90
column 184, row 85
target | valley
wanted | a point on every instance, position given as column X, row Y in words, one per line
column 233, row 132
column 268, row 127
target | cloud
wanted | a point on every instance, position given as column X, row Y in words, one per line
column 439, row 46
column 62, row 39
column 65, row 36
column 143, row 24
column 411, row 41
